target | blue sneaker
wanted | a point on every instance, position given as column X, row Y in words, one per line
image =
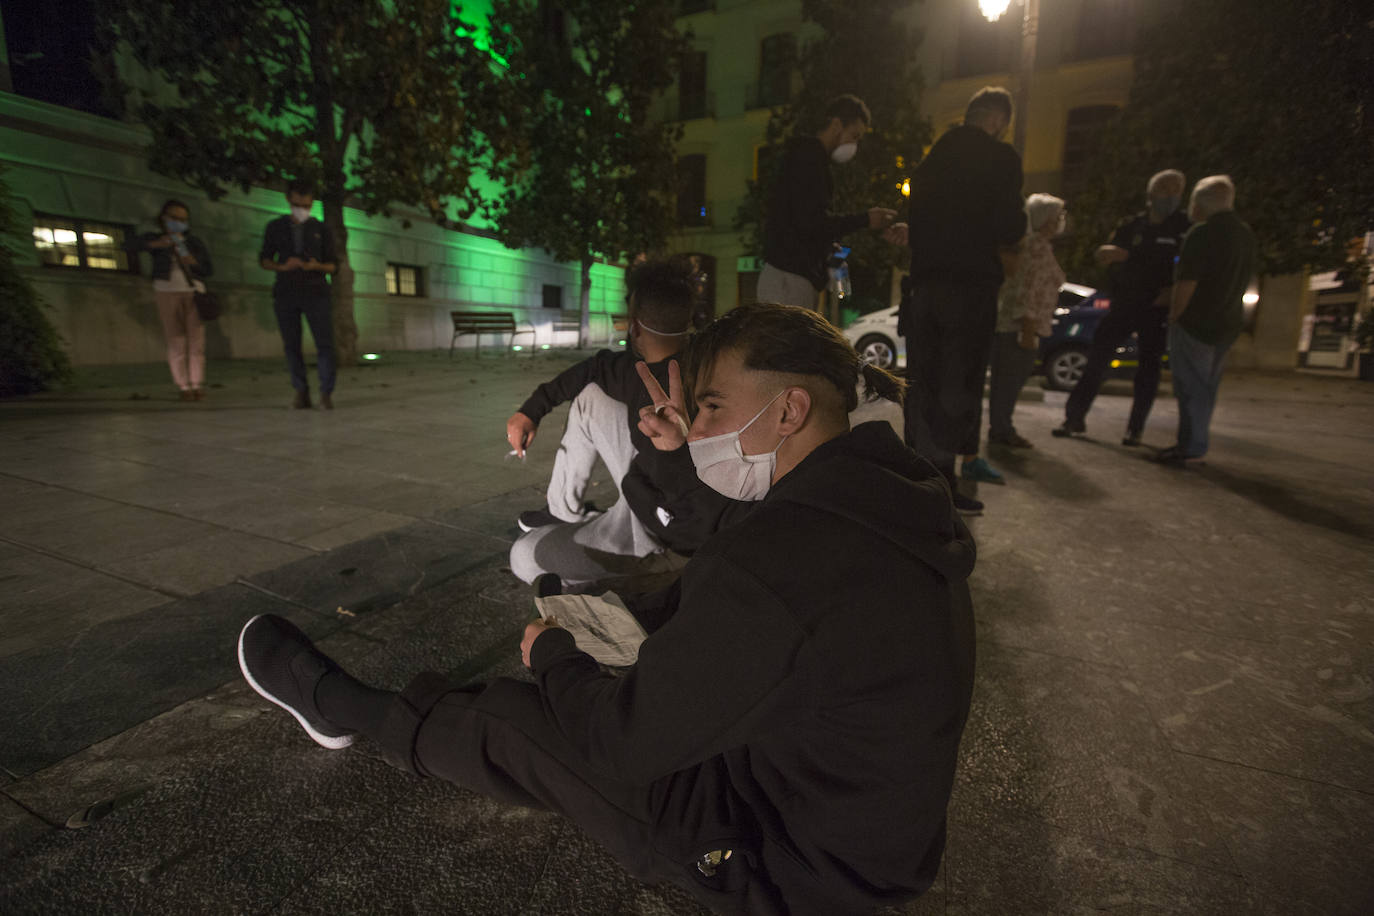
column 982, row 472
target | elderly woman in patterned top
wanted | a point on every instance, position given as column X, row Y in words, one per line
column 1025, row 313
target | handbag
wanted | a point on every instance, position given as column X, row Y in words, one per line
column 207, row 303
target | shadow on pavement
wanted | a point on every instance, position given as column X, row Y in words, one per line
column 1275, row 496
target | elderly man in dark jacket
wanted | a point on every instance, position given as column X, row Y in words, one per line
column 786, row 741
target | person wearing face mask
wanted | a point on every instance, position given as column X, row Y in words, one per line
column 300, row 250
column 180, row 261
column 967, row 218
column 1140, row 267
column 786, row 740
column 664, row 512
column 799, row 232
column 1025, row 313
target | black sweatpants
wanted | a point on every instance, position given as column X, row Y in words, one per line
column 497, row 740
column 948, row 342
column 1150, row 325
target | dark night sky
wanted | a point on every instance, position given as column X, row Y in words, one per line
column 49, row 44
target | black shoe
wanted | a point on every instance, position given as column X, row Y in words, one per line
column 1131, row 439
column 537, row 518
column 1173, row 457
column 548, row 584
column 302, row 400
column 282, row 665
column 1069, row 428
column 967, row 505
column 326, row 401
column 1015, row 440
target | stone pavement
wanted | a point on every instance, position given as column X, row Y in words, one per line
column 1174, row 710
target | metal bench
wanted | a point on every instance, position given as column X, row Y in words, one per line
column 479, row 323
column 572, row 321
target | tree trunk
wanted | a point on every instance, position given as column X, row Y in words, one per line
column 345, row 326
column 584, row 337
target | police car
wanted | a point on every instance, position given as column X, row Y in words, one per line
column 1062, row 354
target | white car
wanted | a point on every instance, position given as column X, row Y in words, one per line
column 875, row 335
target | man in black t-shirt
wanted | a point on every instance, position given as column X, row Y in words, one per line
column 300, row 250
column 1140, row 262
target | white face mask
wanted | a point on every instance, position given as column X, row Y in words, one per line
column 722, row 465
column 844, row 152
column 300, row 214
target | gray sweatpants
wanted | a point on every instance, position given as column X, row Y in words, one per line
column 606, row 545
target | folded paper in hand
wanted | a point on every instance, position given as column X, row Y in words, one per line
column 600, row 625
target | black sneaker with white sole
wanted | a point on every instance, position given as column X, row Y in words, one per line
column 283, row 665
column 967, row 505
column 537, row 518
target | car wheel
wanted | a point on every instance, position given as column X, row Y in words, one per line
column 1064, row 368
column 878, row 350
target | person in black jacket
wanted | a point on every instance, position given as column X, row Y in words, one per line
column 180, row 261
column 300, row 250
column 786, row 741
column 1140, row 260
column 966, row 215
column 799, row 233
column 664, row 512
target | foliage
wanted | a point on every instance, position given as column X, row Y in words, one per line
column 864, row 49
column 381, row 102
column 1279, row 95
column 31, row 354
column 598, row 180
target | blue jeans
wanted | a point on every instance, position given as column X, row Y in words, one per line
column 1197, row 376
column 318, row 311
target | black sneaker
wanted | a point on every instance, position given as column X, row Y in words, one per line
column 548, row 584
column 537, row 518
column 1069, row 428
column 283, row 666
column 967, row 505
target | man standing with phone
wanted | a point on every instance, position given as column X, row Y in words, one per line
column 800, row 232
column 300, row 250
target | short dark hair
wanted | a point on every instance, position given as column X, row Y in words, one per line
column 848, row 108
column 169, row 204
column 301, row 186
column 989, row 99
column 661, row 293
column 792, row 341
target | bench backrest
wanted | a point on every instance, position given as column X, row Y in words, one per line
column 481, row 322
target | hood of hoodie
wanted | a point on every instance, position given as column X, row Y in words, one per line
column 870, row 477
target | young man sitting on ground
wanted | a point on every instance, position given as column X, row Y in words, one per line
column 786, row 741
column 663, row 513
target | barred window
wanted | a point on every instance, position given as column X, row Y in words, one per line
column 404, row 280
column 68, row 242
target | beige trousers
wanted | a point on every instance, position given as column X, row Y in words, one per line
column 185, row 338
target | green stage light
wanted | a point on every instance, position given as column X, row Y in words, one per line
column 371, row 356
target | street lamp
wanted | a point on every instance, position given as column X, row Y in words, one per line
column 992, row 10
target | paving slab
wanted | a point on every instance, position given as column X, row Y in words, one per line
column 1172, row 711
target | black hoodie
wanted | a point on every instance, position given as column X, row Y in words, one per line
column 814, row 680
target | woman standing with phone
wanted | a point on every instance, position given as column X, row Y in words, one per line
column 180, row 262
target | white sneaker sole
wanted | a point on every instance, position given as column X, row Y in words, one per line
column 333, row 743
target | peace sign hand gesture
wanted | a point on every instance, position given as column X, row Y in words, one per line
column 665, row 421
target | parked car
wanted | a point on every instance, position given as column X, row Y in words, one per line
column 1062, row 355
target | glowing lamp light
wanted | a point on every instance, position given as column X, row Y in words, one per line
column 371, row 356
column 518, row 347
column 1250, row 298
column 1116, row 364
column 906, row 187
column 992, row 10
column 546, row 346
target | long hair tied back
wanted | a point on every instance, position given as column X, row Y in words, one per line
column 792, row 340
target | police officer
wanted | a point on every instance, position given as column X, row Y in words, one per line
column 1140, row 262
